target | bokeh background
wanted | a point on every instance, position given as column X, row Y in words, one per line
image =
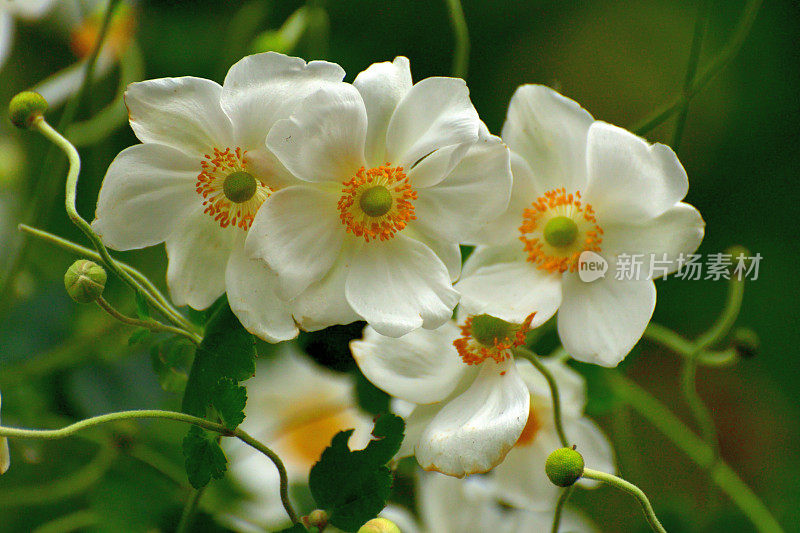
column 620, row 59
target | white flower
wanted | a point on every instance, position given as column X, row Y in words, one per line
column 201, row 175
column 520, row 479
column 394, row 177
column 295, row 406
column 449, row 505
column 579, row 184
column 5, row 457
column 24, row 9
column 471, row 402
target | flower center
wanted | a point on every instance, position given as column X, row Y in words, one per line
column 377, row 203
column 557, row 228
column 486, row 337
column 231, row 195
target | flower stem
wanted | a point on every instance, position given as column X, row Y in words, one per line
column 681, row 346
column 551, row 382
column 67, row 431
column 77, row 521
column 189, row 511
column 71, row 189
column 151, row 324
column 631, row 489
column 560, row 504
column 461, row 35
column 706, row 74
column 698, row 451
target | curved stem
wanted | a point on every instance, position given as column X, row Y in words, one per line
column 189, row 511
column 461, row 36
column 706, row 74
column 148, row 288
column 698, row 451
column 681, row 346
column 631, row 489
column 77, row 521
column 71, row 188
column 560, row 504
column 551, row 382
column 151, row 324
column 67, row 431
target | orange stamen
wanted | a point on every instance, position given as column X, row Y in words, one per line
column 473, row 352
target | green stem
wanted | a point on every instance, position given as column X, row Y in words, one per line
column 77, row 521
column 67, row 431
column 560, row 504
column 189, row 511
column 698, row 451
column 631, row 489
column 706, row 74
column 681, row 346
column 694, row 58
column 151, row 324
column 146, row 285
column 551, row 382
column 461, row 36
column 71, row 190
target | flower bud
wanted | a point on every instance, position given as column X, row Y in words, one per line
column 379, row 525
column 564, row 466
column 85, row 281
column 25, row 107
column 746, row 342
column 316, row 518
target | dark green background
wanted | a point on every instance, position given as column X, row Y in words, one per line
column 620, row 60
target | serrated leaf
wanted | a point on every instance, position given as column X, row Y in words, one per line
column 229, row 400
column 138, row 336
column 171, row 359
column 142, row 308
column 354, row 485
column 204, row 457
column 226, row 352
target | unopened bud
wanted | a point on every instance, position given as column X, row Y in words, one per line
column 379, row 525
column 316, row 518
column 26, row 107
column 746, row 342
column 85, row 281
column 564, row 466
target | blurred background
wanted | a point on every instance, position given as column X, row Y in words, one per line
column 621, row 59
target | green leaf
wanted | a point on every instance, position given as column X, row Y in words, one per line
column 354, row 486
column 226, row 352
column 138, row 336
column 142, row 309
column 229, row 401
column 171, row 360
column 204, row 457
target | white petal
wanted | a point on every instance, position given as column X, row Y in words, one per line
column 416, row 422
column 399, row 285
column 420, row 367
column 264, row 88
column 180, row 112
column 474, row 431
column 451, row 505
column 445, row 248
column 511, row 291
column 629, row 179
column 28, row 9
column 435, row 113
column 324, row 303
column 505, row 227
column 401, row 517
column 198, row 253
column 6, row 36
column 148, row 190
column 477, row 190
column 324, row 139
column 599, row 322
column 521, row 479
column 298, row 233
column 251, row 286
column 679, row 230
column 382, row 86
column 571, row 388
column 593, row 445
column 435, row 167
column 549, row 131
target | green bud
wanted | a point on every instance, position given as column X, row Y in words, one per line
column 746, row 342
column 564, row 466
column 317, row 519
column 85, row 281
column 379, row 525
column 560, row 231
column 25, row 107
column 376, row 201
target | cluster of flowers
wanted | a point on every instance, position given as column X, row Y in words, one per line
column 313, row 202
